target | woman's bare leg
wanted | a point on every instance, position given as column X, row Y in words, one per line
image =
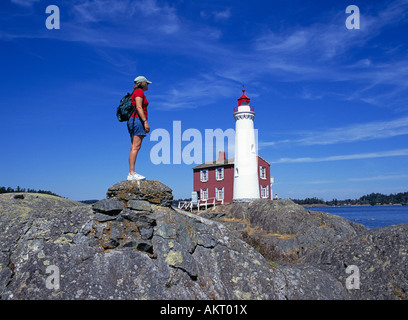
column 135, row 145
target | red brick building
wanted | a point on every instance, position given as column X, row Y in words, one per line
column 214, row 180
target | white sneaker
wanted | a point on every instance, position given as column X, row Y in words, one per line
column 135, row 177
column 139, row 176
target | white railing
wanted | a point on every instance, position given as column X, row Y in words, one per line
column 185, row 205
column 189, row 205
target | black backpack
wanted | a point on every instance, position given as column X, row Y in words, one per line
column 125, row 108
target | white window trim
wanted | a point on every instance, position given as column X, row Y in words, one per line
column 204, row 175
column 219, row 173
column 262, row 172
column 218, row 192
column 204, row 194
column 264, row 192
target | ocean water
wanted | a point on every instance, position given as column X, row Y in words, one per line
column 369, row 216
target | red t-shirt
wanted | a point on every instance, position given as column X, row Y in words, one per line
column 139, row 93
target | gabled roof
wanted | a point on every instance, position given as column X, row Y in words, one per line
column 215, row 163
column 264, row 160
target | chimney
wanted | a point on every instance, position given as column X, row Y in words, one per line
column 221, row 157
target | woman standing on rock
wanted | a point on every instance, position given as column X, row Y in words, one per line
column 137, row 124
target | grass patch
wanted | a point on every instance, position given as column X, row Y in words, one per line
column 270, row 252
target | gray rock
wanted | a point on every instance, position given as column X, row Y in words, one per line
column 103, row 217
column 146, row 232
column 152, row 191
column 165, row 253
column 285, row 225
column 142, row 217
column 139, row 205
column 108, row 206
column 162, row 254
column 381, row 256
column 116, row 232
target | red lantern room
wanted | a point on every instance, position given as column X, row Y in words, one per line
column 243, row 100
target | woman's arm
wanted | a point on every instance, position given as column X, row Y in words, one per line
column 139, row 110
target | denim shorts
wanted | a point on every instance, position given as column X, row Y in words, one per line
column 135, row 127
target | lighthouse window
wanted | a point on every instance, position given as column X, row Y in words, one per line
column 252, row 148
column 204, row 175
column 219, row 174
column 236, row 172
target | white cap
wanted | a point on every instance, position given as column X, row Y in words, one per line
column 140, row 79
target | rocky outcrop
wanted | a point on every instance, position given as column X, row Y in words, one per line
column 283, row 226
column 132, row 245
column 152, row 191
column 379, row 258
column 283, row 231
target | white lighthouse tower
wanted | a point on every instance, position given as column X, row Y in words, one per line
column 246, row 185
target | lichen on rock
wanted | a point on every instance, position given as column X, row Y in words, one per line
column 134, row 245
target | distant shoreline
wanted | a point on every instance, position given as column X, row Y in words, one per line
column 351, row 205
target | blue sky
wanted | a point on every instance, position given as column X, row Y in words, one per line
column 331, row 103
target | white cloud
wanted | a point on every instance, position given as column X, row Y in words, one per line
column 358, row 156
column 328, row 39
column 376, row 178
column 222, row 15
column 217, row 15
column 292, row 54
column 24, row 3
column 364, row 179
column 353, row 133
column 320, row 51
column 143, row 14
column 193, row 93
